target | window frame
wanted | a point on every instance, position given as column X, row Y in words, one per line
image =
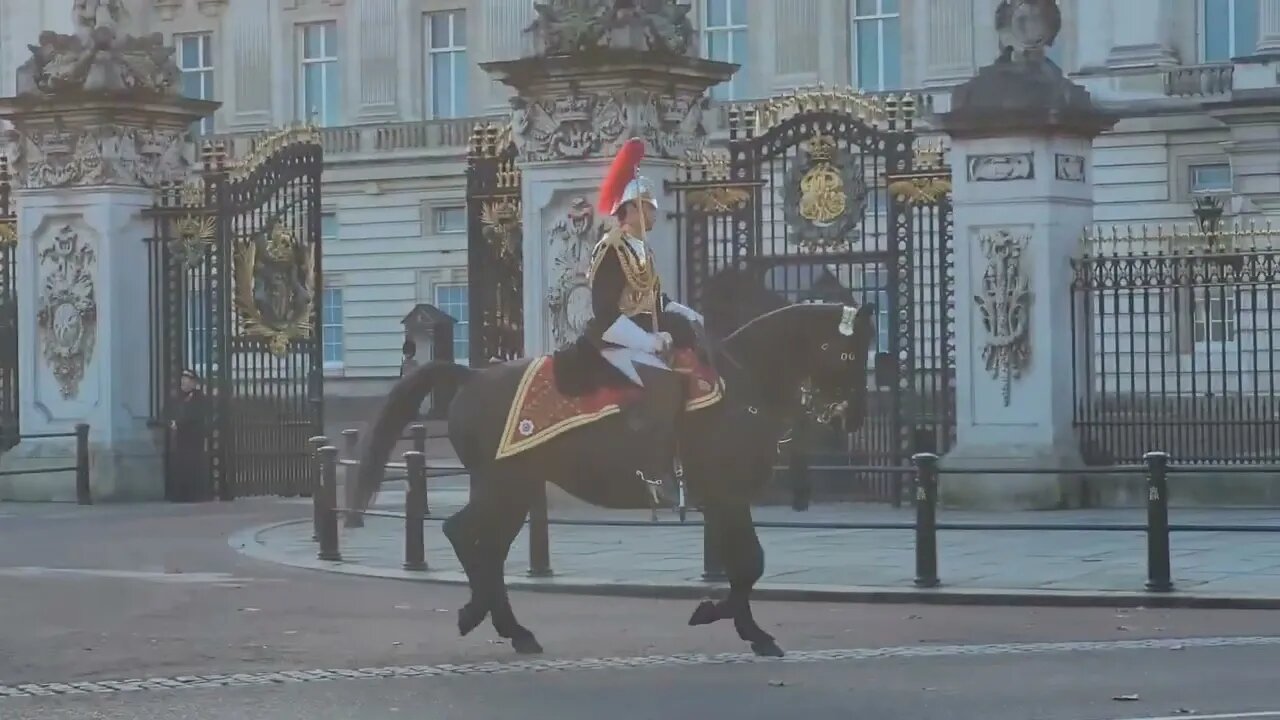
column 880, row 18
column 1192, row 169
column 461, row 326
column 455, row 53
column 206, row 71
column 329, row 61
column 1233, row 51
column 733, row 88
column 440, row 212
column 331, row 286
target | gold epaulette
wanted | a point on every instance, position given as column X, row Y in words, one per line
column 612, row 240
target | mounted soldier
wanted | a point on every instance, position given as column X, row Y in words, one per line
column 634, row 321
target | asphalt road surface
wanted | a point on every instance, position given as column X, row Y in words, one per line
column 134, row 613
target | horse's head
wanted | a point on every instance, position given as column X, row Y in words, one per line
column 840, row 337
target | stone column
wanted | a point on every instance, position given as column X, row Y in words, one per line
column 1269, row 27
column 949, row 47
column 1141, row 34
column 1022, row 180
column 87, row 157
column 573, row 112
column 503, row 23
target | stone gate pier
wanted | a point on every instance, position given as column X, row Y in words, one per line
column 98, row 126
column 597, row 77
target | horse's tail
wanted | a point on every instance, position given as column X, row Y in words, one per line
column 400, row 407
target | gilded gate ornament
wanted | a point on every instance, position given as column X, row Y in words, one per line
column 8, row 234
column 68, row 311
column 500, row 222
column 275, row 287
column 195, row 231
column 825, row 196
column 1005, row 305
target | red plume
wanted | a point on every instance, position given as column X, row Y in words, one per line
column 621, row 172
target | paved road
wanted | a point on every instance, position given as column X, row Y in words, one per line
column 154, row 595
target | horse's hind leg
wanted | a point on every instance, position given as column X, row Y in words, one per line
column 504, row 514
column 461, row 529
column 735, row 540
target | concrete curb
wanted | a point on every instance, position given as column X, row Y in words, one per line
column 246, row 543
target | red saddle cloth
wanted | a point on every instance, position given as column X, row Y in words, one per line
column 540, row 412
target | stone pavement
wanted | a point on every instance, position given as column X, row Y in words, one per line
column 1234, row 567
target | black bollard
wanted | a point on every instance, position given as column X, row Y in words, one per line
column 316, row 443
column 539, row 535
column 1159, row 571
column 926, row 519
column 414, row 543
column 84, row 493
column 351, row 446
column 328, row 494
column 419, row 434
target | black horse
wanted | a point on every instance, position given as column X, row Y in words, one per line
column 727, row 450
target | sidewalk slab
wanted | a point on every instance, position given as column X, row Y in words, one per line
column 1058, row 567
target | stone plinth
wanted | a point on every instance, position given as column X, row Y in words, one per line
column 1023, row 193
column 85, row 168
column 592, row 85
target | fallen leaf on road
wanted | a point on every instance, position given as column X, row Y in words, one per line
column 250, row 610
column 397, row 643
column 403, row 607
column 290, row 632
column 1127, row 698
column 777, row 683
column 1184, row 711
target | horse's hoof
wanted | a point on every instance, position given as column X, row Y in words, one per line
column 469, row 618
column 704, row 614
column 767, row 648
column 527, row 645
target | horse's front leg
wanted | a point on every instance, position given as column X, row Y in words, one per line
column 733, row 538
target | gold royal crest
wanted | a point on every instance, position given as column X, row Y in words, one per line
column 276, row 287
column 825, row 196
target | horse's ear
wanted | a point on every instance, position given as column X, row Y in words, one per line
column 846, row 319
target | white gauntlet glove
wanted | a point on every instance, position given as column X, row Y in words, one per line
column 687, row 313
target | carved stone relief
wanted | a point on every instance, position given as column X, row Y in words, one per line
column 596, row 125
column 1027, row 28
column 98, row 155
column 573, row 26
column 1001, row 168
column 1069, row 167
column 67, row 313
column 102, row 56
column 571, row 240
column 1004, row 301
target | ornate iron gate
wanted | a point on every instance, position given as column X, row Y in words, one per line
column 236, row 284
column 823, row 196
column 495, row 265
column 8, row 313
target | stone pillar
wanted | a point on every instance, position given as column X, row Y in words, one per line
column 574, row 110
column 1268, row 27
column 503, row 23
column 949, row 53
column 249, row 55
column 87, row 156
column 1021, row 150
column 1142, row 34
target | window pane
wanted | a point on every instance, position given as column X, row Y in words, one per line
column 330, row 34
column 867, row 7
column 1246, row 27
column 310, row 42
column 717, row 46
column 439, row 30
column 206, row 49
column 191, row 85
column 312, row 87
column 441, row 76
column 190, row 52
column 459, row 84
column 459, row 28
column 892, row 55
column 1207, row 178
column 329, row 226
column 868, row 44
column 889, row 7
column 331, row 93
column 1217, row 34
column 717, row 13
column 738, row 12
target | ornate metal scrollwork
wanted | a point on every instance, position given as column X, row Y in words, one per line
column 8, row 233
column 718, row 200
column 1005, row 305
column 275, row 287
column 921, row 190
column 825, row 196
column 500, row 221
column 195, row 231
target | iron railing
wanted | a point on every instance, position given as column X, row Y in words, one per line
column 84, row 492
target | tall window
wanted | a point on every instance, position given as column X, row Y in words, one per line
column 724, row 38
column 1228, row 28
column 1214, row 322
column 452, row 299
column 446, row 33
column 877, row 44
column 332, row 328
column 318, row 84
column 195, row 60
column 1215, row 177
column 875, row 289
